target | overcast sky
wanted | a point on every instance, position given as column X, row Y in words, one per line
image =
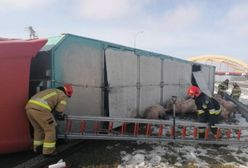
column 179, row 28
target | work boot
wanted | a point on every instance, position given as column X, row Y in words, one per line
column 54, row 153
column 38, row 149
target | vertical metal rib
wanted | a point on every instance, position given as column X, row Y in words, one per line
column 162, row 83
column 105, row 87
column 138, row 85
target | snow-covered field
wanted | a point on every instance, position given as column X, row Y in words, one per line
column 244, row 96
column 162, row 155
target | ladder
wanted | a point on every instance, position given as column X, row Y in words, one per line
column 108, row 128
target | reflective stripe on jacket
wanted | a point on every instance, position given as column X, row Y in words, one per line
column 207, row 104
column 199, row 112
column 236, row 91
column 40, row 103
column 47, row 100
column 214, row 111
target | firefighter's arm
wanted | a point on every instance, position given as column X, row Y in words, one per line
column 60, row 107
column 211, row 106
column 62, row 102
column 59, row 115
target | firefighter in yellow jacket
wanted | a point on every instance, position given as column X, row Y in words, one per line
column 236, row 91
column 39, row 110
column 222, row 87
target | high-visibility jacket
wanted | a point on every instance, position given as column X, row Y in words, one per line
column 48, row 100
column 207, row 104
column 208, row 111
column 223, row 86
column 236, row 92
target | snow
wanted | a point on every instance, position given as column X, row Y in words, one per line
column 161, row 156
column 164, row 155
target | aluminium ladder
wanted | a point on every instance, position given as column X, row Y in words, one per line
column 108, row 128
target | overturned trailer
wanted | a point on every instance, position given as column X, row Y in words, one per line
column 114, row 80
column 114, row 84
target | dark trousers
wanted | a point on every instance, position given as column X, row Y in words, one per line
column 211, row 119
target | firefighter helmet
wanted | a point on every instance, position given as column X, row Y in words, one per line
column 193, row 91
column 68, row 89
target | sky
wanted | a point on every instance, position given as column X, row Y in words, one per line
column 179, row 28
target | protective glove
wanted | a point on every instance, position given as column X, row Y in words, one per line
column 59, row 115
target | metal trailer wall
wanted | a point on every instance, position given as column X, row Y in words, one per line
column 209, row 72
column 138, row 81
column 80, row 62
column 204, row 79
column 115, row 80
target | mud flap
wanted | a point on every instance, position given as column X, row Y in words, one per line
column 202, row 83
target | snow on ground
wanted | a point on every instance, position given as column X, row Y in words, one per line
column 244, row 96
column 163, row 155
column 181, row 155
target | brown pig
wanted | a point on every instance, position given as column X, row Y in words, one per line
column 155, row 112
column 224, row 113
column 186, row 106
column 228, row 105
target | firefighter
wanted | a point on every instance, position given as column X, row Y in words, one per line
column 39, row 111
column 222, row 87
column 208, row 110
column 236, row 91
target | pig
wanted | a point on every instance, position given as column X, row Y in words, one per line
column 155, row 112
column 228, row 105
column 224, row 113
column 186, row 106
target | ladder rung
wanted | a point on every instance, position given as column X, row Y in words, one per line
column 123, row 128
column 183, row 132
column 160, row 130
column 195, row 132
column 83, row 126
column 228, row 133
column 206, row 133
column 110, row 127
column 136, row 129
column 148, row 130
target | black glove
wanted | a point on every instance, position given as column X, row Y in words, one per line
column 59, row 115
